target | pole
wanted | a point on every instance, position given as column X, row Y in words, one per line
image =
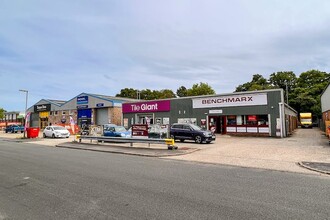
column 26, row 101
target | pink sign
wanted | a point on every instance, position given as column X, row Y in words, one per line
column 152, row 106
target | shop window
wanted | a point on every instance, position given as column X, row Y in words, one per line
column 240, row 119
column 262, row 119
column 231, row 120
column 257, row 120
column 71, row 112
column 251, row 120
column 55, row 113
column 63, row 112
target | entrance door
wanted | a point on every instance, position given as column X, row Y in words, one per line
column 217, row 124
column 43, row 123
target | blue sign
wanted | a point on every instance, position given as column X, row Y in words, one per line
column 85, row 113
column 82, row 100
column 99, row 104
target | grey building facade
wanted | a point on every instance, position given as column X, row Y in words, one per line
column 257, row 113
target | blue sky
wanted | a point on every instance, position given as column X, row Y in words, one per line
column 59, row 49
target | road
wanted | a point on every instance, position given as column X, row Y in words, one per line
column 42, row 182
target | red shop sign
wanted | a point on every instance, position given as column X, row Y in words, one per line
column 252, row 118
column 140, row 130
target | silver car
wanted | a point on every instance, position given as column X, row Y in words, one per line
column 56, row 131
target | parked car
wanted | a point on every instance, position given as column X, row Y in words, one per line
column 184, row 132
column 112, row 130
column 14, row 129
column 56, row 131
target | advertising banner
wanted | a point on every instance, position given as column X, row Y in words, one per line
column 152, row 106
column 27, row 121
column 228, row 101
column 42, row 108
column 82, row 100
column 140, row 131
column 85, row 113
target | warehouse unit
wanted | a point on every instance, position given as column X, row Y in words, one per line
column 83, row 110
column 325, row 106
column 257, row 113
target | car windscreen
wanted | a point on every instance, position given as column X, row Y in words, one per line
column 59, row 128
column 196, row 128
column 120, row 129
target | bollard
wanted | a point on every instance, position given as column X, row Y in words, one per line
column 170, row 144
column 78, row 137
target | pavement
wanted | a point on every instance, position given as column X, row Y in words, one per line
column 306, row 151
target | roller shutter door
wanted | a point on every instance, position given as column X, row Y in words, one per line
column 102, row 116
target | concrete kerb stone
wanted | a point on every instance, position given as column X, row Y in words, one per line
column 301, row 163
column 136, row 151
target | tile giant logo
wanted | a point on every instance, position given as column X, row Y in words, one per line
column 228, row 101
column 152, row 106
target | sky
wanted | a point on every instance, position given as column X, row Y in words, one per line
column 59, row 49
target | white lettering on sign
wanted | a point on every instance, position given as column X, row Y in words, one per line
column 227, row 101
column 41, row 107
column 144, row 107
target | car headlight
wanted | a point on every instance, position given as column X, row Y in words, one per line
column 205, row 134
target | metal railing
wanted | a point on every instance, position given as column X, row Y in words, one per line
column 101, row 139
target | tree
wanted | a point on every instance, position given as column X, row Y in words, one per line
column 2, row 113
column 304, row 92
column 312, row 78
column 258, row 82
column 166, row 93
column 181, row 91
column 285, row 80
column 128, row 93
column 200, row 89
column 307, row 94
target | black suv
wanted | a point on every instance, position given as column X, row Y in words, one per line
column 191, row 132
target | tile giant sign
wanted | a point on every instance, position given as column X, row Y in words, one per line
column 144, row 107
column 233, row 100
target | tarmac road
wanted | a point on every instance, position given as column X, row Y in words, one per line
column 305, row 146
column 38, row 182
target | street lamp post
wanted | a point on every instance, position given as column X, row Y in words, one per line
column 26, row 100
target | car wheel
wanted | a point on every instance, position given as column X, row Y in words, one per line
column 198, row 139
column 6, row 131
column 44, row 135
column 53, row 136
column 181, row 140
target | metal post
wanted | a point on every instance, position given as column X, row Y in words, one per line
column 26, row 101
column 287, row 92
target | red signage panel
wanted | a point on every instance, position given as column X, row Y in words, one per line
column 140, row 130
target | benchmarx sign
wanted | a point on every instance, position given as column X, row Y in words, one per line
column 228, row 101
column 142, row 107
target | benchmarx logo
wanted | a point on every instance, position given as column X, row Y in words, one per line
column 82, row 100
